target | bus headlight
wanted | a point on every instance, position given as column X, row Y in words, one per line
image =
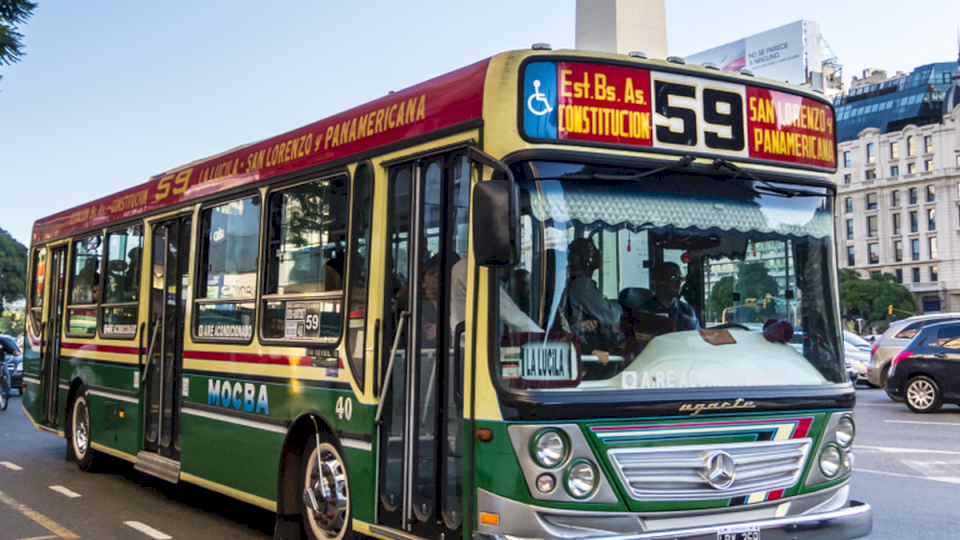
column 830, row 461
column 845, row 432
column 581, row 479
column 549, row 448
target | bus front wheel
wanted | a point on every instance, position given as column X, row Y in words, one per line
column 80, row 431
column 325, row 500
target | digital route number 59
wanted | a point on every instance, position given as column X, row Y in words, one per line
column 694, row 116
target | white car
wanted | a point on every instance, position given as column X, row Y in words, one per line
column 857, row 352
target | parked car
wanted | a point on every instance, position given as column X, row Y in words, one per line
column 857, row 352
column 852, row 372
column 13, row 361
column 896, row 337
column 926, row 373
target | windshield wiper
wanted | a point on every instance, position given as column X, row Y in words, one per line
column 765, row 186
column 682, row 162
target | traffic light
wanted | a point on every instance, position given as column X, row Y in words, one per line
column 890, row 309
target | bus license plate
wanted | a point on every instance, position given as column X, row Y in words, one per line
column 742, row 534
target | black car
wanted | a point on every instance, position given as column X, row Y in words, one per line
column 926, row 373
column 12, row 361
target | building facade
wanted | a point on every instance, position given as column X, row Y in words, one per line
column 898, row 204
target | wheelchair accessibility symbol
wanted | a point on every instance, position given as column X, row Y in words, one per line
column 538, row 103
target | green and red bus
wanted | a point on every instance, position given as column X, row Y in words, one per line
column 525, row 370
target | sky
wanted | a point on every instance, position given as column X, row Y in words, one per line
column 112, row 92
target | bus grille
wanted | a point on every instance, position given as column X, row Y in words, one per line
column 675, row 473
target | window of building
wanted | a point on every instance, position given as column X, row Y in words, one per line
column 849, row 229
column 916, row 275
column 931, row 219
column 928, row 144
column 931, row 193
column 934, row 273
column 928, row 165
column 911, row 146
column 915, row 249
column 896, row 223
column 84, row 286
column 306, row 262
column 870, row 174
column 894, row 171
column 851, row 257
column 227, row 280
column 911, row 168
column 848, row 204
column 847, row 178
column 122, row 283
column 895, row 198
column 872, row 201
column 958, row 160
column 934, row 254
column 874, row 251
column 871, row 226
column 913, row 195
column 871, row 156
column 846, row 159
column 914, row 226
column 894, row 151
column 899, row 274
column 898, row 250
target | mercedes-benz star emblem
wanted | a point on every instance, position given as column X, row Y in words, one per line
column 719, row 469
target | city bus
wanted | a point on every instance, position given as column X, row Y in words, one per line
column 539, row 361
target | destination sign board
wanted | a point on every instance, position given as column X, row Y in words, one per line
column 642, row 108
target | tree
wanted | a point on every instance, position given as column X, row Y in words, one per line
column 754, row 282
column 12, row 323
column 873, row 297
column 12, row 13
column 13, row 268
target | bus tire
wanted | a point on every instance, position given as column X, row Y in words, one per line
column 79, row 439
column 330, row 490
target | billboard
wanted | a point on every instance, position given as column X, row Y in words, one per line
column 790, row 53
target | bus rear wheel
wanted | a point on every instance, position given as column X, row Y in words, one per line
column 325, row 501
column 80, row 431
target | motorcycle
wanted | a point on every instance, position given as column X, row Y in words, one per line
column 4, row 381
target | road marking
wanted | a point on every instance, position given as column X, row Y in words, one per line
column 46, row 522
column 11, row 466
column 905, row 450
column 147, row 530
column 948, row 479
column 64, row 491
column 956, row 424
column 41, row 537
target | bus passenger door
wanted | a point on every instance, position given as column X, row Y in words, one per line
column 161, row 376
column 50, row 371
column 421, row 435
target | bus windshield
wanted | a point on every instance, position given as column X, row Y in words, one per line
column 672, row 280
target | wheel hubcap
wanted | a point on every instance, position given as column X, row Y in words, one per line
column 80, row 433
column 921, row 394
column 329, row 486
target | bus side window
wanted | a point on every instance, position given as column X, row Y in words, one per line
column 38, row 278
column 362, row 217
column 121, row 281
column 84, row 287
column 306, row 262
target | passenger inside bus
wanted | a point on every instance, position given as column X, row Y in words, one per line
column 510, row 314
column 595, row 318
column 666, row 280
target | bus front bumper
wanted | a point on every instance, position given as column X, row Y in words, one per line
column 851, row 520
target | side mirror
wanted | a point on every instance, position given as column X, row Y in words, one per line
column 496, row 223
